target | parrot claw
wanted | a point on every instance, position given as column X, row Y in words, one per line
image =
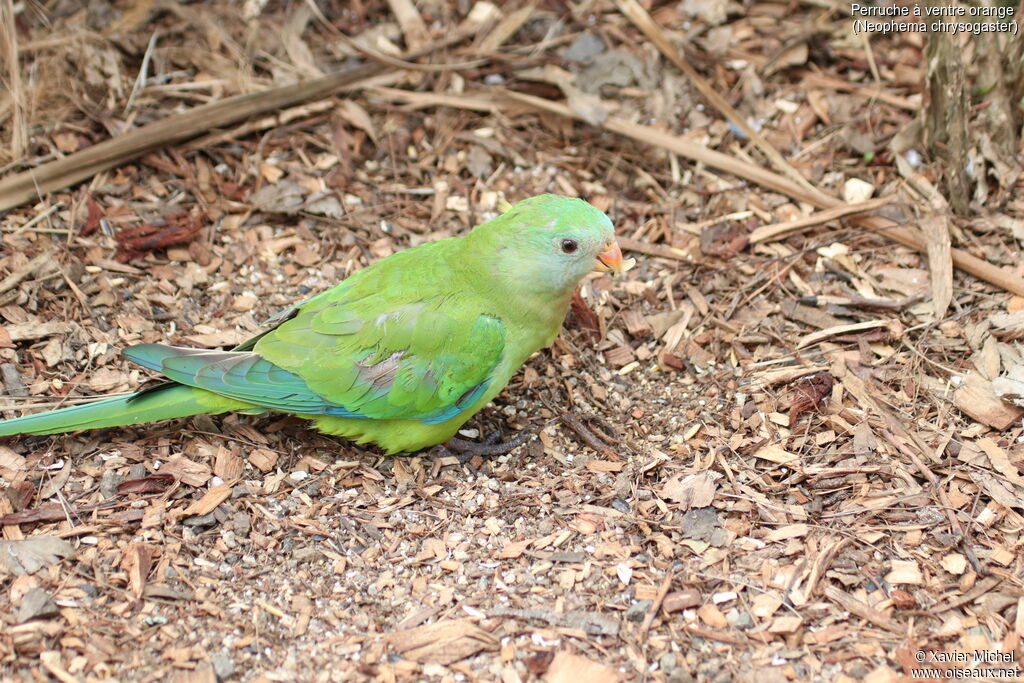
column 492, row 438
column 464, row 450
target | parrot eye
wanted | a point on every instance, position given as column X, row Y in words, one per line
column 569, row 246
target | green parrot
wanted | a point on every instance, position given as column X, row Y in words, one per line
column 401, row 353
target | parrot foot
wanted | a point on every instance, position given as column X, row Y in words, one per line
column 464, row 450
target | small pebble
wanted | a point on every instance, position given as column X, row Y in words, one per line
column 638, row 610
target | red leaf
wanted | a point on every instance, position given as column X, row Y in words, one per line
column 584, row 319
column 154, row 483
column 92, row 221
column 671, row 360
column 810, row 392
column 51, row 512
column 723, row 240
column 134, row 242
column 538, row 663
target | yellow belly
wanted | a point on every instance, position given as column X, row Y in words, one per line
column 408, row 436
column 394, row 436
column 404, row 436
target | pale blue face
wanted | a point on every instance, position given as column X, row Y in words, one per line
column 552, row 242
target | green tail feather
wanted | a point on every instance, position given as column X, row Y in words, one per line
column 159, row 403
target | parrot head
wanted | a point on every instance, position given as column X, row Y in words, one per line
column 549, row 243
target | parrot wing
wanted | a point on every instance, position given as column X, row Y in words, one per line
column 427, row 361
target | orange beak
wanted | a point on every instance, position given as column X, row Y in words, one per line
column 611, row 260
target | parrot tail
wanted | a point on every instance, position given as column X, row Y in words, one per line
column 161, row 402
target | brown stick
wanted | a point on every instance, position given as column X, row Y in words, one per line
column 639, row 16
column 710, row 634
column 820, row 80
column 586, row 436
column 56, row 175
column 652, row 611
column 770, row 232
column 660, row 250
column 723, row 162
column 862, row 610
column 19, row 274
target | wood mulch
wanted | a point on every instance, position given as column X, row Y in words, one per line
column 785, row 446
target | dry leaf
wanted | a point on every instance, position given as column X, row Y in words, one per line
column 1000, row 461
column 29, row 555
column 571, row 668
column 190, row 473
column 809, row 394
column 105, row 379
column 154, row 483
column 977, row 398
column 996, row 490
column 12, row 461
column 583, row 318
column 284, row 197
column 1010, row 386
column 692, row 490
column 221, row 338
column 443, row 642
column 353, row 113
column 776, row 454
column 56, row 481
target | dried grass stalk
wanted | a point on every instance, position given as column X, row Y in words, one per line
column 723, row 162
column 13, row 83
column 84, row 164
column 945, row 113
column 639, row 16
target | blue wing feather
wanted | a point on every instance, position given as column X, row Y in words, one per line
column 246, row 376
column 356, row 351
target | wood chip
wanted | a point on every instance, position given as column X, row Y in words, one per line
column 38, row 330
column 712, row 616
column 210, row 500
column 906, row 572
column 263, row 459
column 569, row 668
column 681, row 600
column 188, row 471
column 137, row 561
